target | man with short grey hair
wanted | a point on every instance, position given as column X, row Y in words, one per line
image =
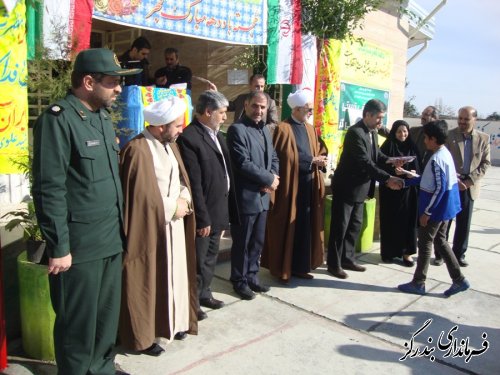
column 208, row 165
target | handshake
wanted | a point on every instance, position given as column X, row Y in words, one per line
column 395, row 183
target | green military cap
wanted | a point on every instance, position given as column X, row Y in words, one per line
column 101, row 60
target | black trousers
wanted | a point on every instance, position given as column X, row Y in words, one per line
column 462, row 224
column 345, row 227
column 248, row 240
column 207, row 250
column 86, row 300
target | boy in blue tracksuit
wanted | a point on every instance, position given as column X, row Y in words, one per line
column 439, row 202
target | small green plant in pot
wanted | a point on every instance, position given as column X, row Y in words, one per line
column 25, row 218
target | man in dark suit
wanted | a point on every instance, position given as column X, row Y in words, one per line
column 207, row 161
column 352, row 182
column 470, row 150
column 257, row 83
column 256, row 174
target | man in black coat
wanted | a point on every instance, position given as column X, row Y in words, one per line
column 354, row 181
column 137, row 57
column 207, row 162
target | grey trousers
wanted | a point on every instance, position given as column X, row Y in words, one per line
column 435, row 233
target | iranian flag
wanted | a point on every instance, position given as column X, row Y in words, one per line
column 284, row 59
column 58, row 24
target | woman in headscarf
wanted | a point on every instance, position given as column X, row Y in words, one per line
column 398, row 208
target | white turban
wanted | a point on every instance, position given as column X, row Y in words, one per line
column 300, row 98
column 164, row 111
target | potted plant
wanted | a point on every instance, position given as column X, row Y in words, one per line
column 25, row 218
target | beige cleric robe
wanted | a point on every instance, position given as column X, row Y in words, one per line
column 159, row 295
column 280, row 230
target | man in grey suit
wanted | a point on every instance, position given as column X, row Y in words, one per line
column 470, row 150
column 256, row 174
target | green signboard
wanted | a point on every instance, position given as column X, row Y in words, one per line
column 352, row 100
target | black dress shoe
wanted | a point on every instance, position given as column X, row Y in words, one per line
column 180, row 336
column 463, row 262
column 337, row 272
column 304, row 275
column 202, row 315
column 245, row 293
column 354, row 267
column 408, row 262
column 387, row 260
column 211, row 303
column 154, row 350
column 259, row 288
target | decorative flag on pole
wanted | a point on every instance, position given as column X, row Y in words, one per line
column 284, row 57
column 56, row 19
column 309, row 62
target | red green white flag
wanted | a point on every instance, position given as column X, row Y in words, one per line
column 284, row 57
column 51, row 20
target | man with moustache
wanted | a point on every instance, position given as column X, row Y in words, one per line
column 470, row 150
column 208, row 164
column 257, row 82
column 256, row 174
column 159, row 267
column 78, row 202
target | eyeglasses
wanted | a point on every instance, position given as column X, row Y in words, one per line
column 310, row 110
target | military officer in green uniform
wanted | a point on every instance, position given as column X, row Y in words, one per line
column 78, row 200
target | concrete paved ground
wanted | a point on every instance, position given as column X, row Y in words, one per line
column 355, row 326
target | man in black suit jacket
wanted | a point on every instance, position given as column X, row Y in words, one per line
column 352, row 182
column 256, row 174
column 207, row 161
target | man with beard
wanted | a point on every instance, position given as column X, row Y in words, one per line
column 159, row 269
column 353, row 182
column 294, row 241
column 78, row 202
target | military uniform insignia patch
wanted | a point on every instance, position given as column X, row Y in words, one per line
column 82, row 115
column 55, row 110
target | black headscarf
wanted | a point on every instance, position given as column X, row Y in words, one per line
column 394, row 147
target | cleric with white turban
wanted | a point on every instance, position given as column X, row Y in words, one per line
column 157, row 205
column 300, row 98
column 164, row 111
column 294, row 244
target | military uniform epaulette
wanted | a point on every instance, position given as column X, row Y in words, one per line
column 55, row 110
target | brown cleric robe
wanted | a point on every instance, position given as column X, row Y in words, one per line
column 145, row 301
column 277, row 255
